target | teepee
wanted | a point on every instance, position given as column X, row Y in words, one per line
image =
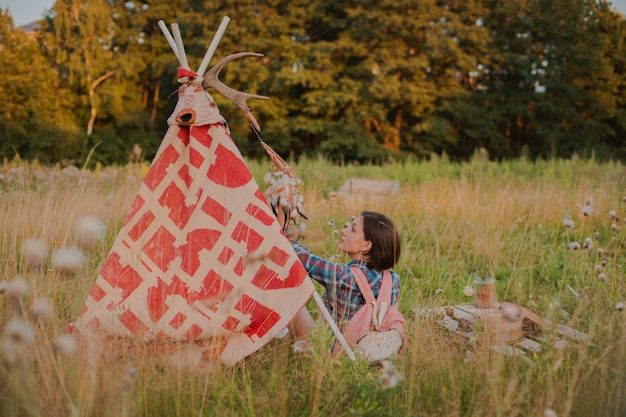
column 200, row 260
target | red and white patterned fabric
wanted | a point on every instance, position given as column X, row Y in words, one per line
column 200, row 259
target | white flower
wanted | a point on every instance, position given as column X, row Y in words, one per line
column 19, row 331
column 568, row 222
column 67, row 259
column 66, row 344
column 468, row 291
column 615, row 227
column 390, row 379
column 620, row 306
column 612, row 214
column 511, row 312
column 548, row 412
column 89, row 230
column 34, row 252
column 573, row 245
column 588, row 243
column 17, row 287
column 42, row 309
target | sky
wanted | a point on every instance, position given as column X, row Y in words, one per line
column 27, row 11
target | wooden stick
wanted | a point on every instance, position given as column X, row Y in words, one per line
column 213, row 46
column 333, row 326
column 182, row 57
column 170, row 40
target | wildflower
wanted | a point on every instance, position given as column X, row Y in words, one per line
column 600, row 252
column 439, row 291
column 511, row 312
column 620, row 306
column 19, row 331
column 17, row 287
column 597, row 268
column 588, row 209
column 42, row 309
column 390, row 379
column 335, row 232
column 67, row 259
column 65, row 344
column 301, row 346
column 615, row 227
column 588, row 243
column 596, row 235
column 331, row 223
column 602, row 276
column 34, row 252
column 612, row 214
column 468, row 291
column 604, row 262
column 548, row 412
column 89, row 230
column 568, row 222
column 573, row 245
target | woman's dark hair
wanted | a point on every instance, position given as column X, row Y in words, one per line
column 385, row 250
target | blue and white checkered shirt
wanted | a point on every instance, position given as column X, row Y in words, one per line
column 343, row 297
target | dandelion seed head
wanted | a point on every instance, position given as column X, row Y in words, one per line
column 89, row 230
column 390, row 379
column 548, row 412
column 511, row 312
column 19, row 331
column 620, row 306
column 66, row 344
column 17, row 287
column 42, row 309
column 612, row 214
column 301, row 346
column 468, row 291
column 68, row 259
column 600, row 252
column 615, row 227
column 331, row 223
column 602, row 276
column 335, row 232
column 14, row 352
column 596, row 235
column 588, row 243
column 34, row 252
column 597, row 268
column 573, row 245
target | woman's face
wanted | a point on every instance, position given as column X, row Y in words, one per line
column 353, row 241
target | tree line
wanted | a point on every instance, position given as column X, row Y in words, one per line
column 352, row 80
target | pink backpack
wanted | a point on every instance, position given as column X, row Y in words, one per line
column 376, row 331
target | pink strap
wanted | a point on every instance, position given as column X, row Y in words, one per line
column 384, row 294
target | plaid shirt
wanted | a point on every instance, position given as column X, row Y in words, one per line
column 343, row 297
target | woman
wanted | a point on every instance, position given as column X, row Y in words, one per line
column 373, row 244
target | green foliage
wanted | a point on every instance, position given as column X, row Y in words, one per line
column 537, row 78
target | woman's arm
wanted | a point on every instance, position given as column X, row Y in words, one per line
column 320, row 269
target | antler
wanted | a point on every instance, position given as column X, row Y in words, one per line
column 238, row 97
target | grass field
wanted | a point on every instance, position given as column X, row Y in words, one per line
column 457, row 221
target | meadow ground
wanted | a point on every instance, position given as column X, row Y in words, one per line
column 519, row 222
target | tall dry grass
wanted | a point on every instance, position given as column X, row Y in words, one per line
column 456, row 220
